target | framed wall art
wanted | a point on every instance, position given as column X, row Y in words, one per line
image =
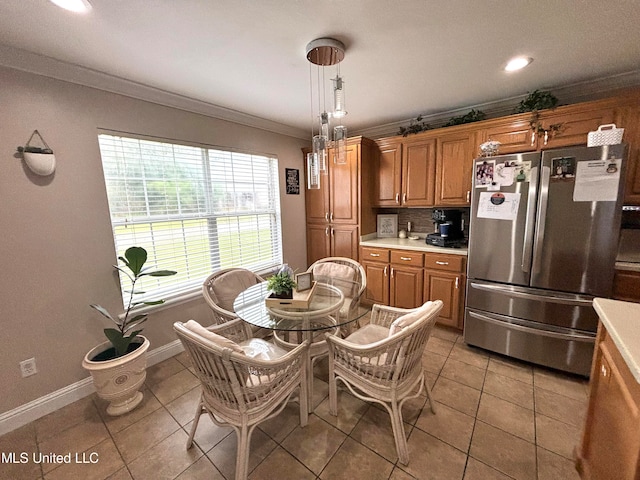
column 387, row 226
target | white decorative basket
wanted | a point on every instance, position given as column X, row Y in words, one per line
column 605, row 135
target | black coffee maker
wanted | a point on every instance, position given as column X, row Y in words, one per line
column 449, row 228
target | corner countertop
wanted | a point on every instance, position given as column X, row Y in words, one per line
column 628, row 266
column 407, row 244
column 622, row 320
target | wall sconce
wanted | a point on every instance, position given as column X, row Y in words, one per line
column 40, row 161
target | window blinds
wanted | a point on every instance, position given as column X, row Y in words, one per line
column 194, row 209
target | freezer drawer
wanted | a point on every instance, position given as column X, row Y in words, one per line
column 559, row 309
column 554, row 347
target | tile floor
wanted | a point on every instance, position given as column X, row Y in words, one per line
column 496, row 419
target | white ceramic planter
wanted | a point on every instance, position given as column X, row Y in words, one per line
column 40, row 163
column 119, row 380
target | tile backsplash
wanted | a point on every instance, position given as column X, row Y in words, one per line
column 421, row 218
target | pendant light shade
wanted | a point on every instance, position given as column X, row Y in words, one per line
column 320, row 152
column 339, row 110
column 340, row 144
column 313, row 172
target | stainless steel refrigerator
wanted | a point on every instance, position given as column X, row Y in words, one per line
column 543, row 238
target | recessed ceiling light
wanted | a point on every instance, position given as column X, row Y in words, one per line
column 77, row 6
column 517, row 63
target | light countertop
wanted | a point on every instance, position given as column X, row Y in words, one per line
column 628, row 266
column 407, row 244
column 622, row 320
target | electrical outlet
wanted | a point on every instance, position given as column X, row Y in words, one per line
column 28, row 367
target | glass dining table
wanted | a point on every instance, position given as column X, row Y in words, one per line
column 328, row 308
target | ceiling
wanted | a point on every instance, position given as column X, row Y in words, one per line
column 244, row 60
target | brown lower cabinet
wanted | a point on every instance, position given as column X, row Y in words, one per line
column 408, row 278
column 405, row 283
column 611, row 440
column 332, row 241
column 626, row 286
column 444, row 279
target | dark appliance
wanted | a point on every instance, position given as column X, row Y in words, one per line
column 543, row 238
column 449, row 229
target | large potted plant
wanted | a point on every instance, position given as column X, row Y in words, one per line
column 118, row 366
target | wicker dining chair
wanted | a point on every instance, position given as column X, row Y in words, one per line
column 350, row 277
column 382, row 362
column 244, row 382
column 221, row 288
column 346, row 274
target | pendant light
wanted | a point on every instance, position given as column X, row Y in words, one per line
column 325, row 52
column 339, row 112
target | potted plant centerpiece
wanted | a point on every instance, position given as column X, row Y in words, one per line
column 281, row 284
column 118, row 366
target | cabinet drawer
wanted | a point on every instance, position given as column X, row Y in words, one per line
column 370, row 254
column 405, row 257
column 438, row 261
column 613, row 355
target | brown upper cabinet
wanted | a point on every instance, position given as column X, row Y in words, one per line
column 514, row 134
column 337, row 199
column 418, row 169
column 454, row 163
column 388, row 179
column 406, row 173
column 628, row 116
column 576, row 123
column 339, row 212
column 456, row 147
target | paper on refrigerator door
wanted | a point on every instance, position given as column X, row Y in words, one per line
column 499, row 205
column 597, row 181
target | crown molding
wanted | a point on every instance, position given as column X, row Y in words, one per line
column 49, row 67
column 567, row 94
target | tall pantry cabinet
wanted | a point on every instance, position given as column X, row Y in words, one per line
column 340, row 211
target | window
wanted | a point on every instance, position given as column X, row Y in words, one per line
column 194, row 209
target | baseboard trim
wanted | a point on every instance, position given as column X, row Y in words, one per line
column 42, row 406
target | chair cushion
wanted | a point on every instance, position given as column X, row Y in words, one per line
column 408, row 319
column 227, row 287
column 342, row 276
column 218, row 340
column 370, row 333
column 261, row 349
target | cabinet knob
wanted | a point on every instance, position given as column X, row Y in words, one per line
column 326, row 231
column 326, row 216
column 438, row 262
column 604, row 371
column 331, row 217
column 385, row 271
column 374, row 254
column 457, row 282
column 333, row 232
column 406, row 259
column 404, row 198
column 398, row 198
column 533, row 138
column 546, row 137
column 392, row 272
column 468, row 196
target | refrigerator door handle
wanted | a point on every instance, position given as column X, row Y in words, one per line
column 529, row 221
column 545, row 333
column 578, row 302
column 542, row 218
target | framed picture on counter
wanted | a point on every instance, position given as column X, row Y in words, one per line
column 387, row 226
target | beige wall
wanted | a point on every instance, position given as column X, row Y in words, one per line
column 55, row 233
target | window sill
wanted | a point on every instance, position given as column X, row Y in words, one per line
column 172, row 301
